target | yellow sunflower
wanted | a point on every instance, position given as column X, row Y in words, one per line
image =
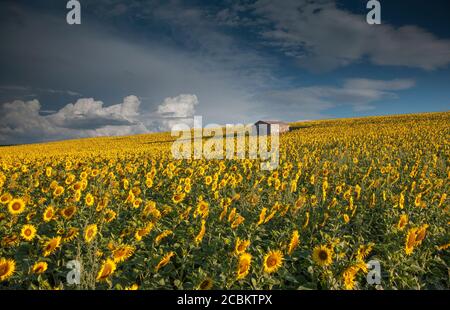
column 262, row 216
column 109, row 215
column 7, row 268
column 68, row 212
column 245, row 261
column 402, row 222
column 421, row 233
column 90, row 233
column 165, row 260
column 178, row 197
column 273, row 261
column 294, row 242
column 202, row 209
column 163, row 235
column 72, row 233
column 49, row 214
column 28, row 232
column 16, row 206
column 364, row 251
column 106, row 270
column 51, row 245
column 39, row 267
column 241, row 246
column 201, row 234
column 59, row 190
column 89, row 200
column 322, row 255
column 206, row 284
column 122, row 253
column 410, row 241
column 5, row 198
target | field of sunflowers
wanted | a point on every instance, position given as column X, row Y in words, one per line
column 346, row 192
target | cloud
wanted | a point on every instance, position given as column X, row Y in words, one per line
column 360, row 94
column 322, row 37
column 28, row 89
column 109, row 62
column 24, row 122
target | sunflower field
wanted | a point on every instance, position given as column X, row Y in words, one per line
column 346, row 192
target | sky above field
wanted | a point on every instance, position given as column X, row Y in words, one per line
column 141, row 66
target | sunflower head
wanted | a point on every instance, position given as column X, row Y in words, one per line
column 106, row 270
column 272, row 261
column 245, row 261
column 90, row 233
column 206, row 284
column 68, row 212
column 51, row 245
column 72, row 233
column 410, row 241
column 28, row 232
column 49, row 214
column 39, row 267
column 402, row 222
column 16, row 206
column 241, row 246
column 294, row 242
column 322, row 255
column 7, row 268
column 122, row 253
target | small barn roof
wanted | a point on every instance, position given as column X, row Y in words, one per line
column 271, row 122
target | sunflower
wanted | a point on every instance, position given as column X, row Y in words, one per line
column 201, row 234
column 350, row 274
column 202, row 209
column 410, row 241
column 89, row 200
column 16, row 206
column 208, row 180
column 163, row 235
column 262, row 216
column 140, row 233
column 421, row 233
column 237, row 221
column 5, row 198
column 206, row 284
column 178, row 197
column 245, row 261
column 90, row 232
column 109, row 215
column 51, row 245
column 7, row 268
column 272, row 261
column 39, row 267
column 28, row 232
column 402, row 222
column 364, row 251
column 106, row 270
column 133, row 287
column 322, row 255
column 59, row 190
column 349, row 278
column 164, row 261
column 241, row 246
column 68, row 212
column 294, row 242
column 122, row 253
column 71, row 234
column 48, row 214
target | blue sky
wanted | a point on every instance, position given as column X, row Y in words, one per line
column 142, row 66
